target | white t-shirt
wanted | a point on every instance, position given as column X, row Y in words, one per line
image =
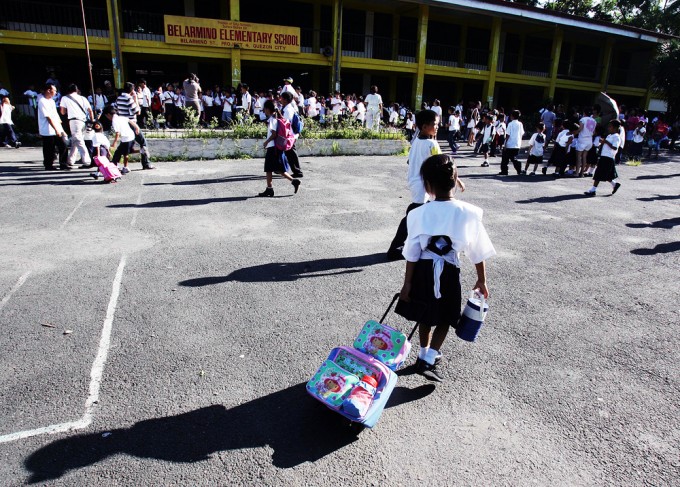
column 207, row 100
column 639, row 135
column 537, row 145
column 121, row 125
column 312, row 110
column 394, row 117
column 360, row 112
column 563, row 138
column 409, row 124
column 336, row 105
column 145, row 97
column 228, row 102
column 76, row 106
column 6, row 116
column 373, row 101
column 615, row 140
column 487, row 133
column 460, row 221
column 272, row 125
column 99, row 101
column 421, row 149
column 289, row 88
column 589, row 124
column 246, row 100
column 622, row 137
column 288, row 112
column 454, row 123
column 437, row 110
column 515, row 131
column 99, row 140
column 48, row 109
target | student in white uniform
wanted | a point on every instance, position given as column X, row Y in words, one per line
column 374, row 106
column 584, row 143
column 536, row 145
column 437, row 234
column 7, row 135
column 513, row 142
column 125, row 130
column 78, row 110
column 606, row 167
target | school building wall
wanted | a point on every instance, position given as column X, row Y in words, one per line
column 413, row 50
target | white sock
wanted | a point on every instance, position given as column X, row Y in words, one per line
column 423, row 351
column 614, row 182
column 431, row 355
column 592, row 189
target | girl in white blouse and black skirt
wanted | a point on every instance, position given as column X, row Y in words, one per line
column 438, row 232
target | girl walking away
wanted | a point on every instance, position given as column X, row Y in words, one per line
column 606, row 167
column 437, row 233
column 274, row 159
column 536, row 145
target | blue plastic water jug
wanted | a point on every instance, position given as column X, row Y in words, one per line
column 472, row 319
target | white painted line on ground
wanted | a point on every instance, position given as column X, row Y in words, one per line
column 70, row 215
column 95, row 374
column 14, row 289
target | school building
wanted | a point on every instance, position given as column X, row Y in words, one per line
column 503, row 53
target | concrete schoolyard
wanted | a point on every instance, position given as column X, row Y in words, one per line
column 160, row 331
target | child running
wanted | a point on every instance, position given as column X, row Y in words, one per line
column 437, row 233
column 274, row 159
column 606, row 167
column 536, row 145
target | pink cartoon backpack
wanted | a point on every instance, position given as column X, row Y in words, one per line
column 285, row 138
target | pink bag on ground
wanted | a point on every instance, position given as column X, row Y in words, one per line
column 108, row 169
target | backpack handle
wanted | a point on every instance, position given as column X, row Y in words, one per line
column 394, row 300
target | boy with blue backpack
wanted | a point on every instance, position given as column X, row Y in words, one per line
column 291, row 114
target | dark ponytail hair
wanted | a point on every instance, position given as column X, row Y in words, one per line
column 269, row 105
column 440, row 173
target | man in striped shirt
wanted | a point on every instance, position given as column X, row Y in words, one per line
column 128, row 107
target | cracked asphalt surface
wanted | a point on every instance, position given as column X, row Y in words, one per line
column 228, row 304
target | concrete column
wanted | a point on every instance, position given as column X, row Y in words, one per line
column 421, row 50
column 316, row 40
column 556, row 53
column 337, row 44
column 113, row 11
column 605, row 63
column 463, row 45
column 189, row 8
column 395, row 36
column 4, row 77
column 494, row 48
column 234, row 10
column 368, row 40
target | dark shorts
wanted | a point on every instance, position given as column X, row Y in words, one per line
column 534, row 160
column 484, row 149
column 444, row 311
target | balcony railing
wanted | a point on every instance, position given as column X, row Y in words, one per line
column 143, row 26
column 315, row 40
column 376, row 47
column 580, row 72
column 634, row 78
column 526, row 65
column 52, row 18
column 477, row 59
column 442, row 55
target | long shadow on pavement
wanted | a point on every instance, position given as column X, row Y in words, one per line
column 665, row 223
column 198, row 202
column 295, row 426
column 228, row 179
column 661, row 197
column 280, row 271
column 664, row 248
column 657, row 176
column 553, row 199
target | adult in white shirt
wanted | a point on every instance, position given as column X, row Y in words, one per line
column 7, row 135
column 246, row 100
column 78, row 110
column 50, row 129
column 144, row 97
column 513, row 141
column 288, row 86
column 312, row 109
column 436, row 108
column 374, row 106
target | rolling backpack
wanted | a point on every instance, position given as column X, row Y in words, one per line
column 285, row 138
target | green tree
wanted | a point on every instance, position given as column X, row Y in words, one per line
column 665, row 70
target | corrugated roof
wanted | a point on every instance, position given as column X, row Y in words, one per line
column 511, row 9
